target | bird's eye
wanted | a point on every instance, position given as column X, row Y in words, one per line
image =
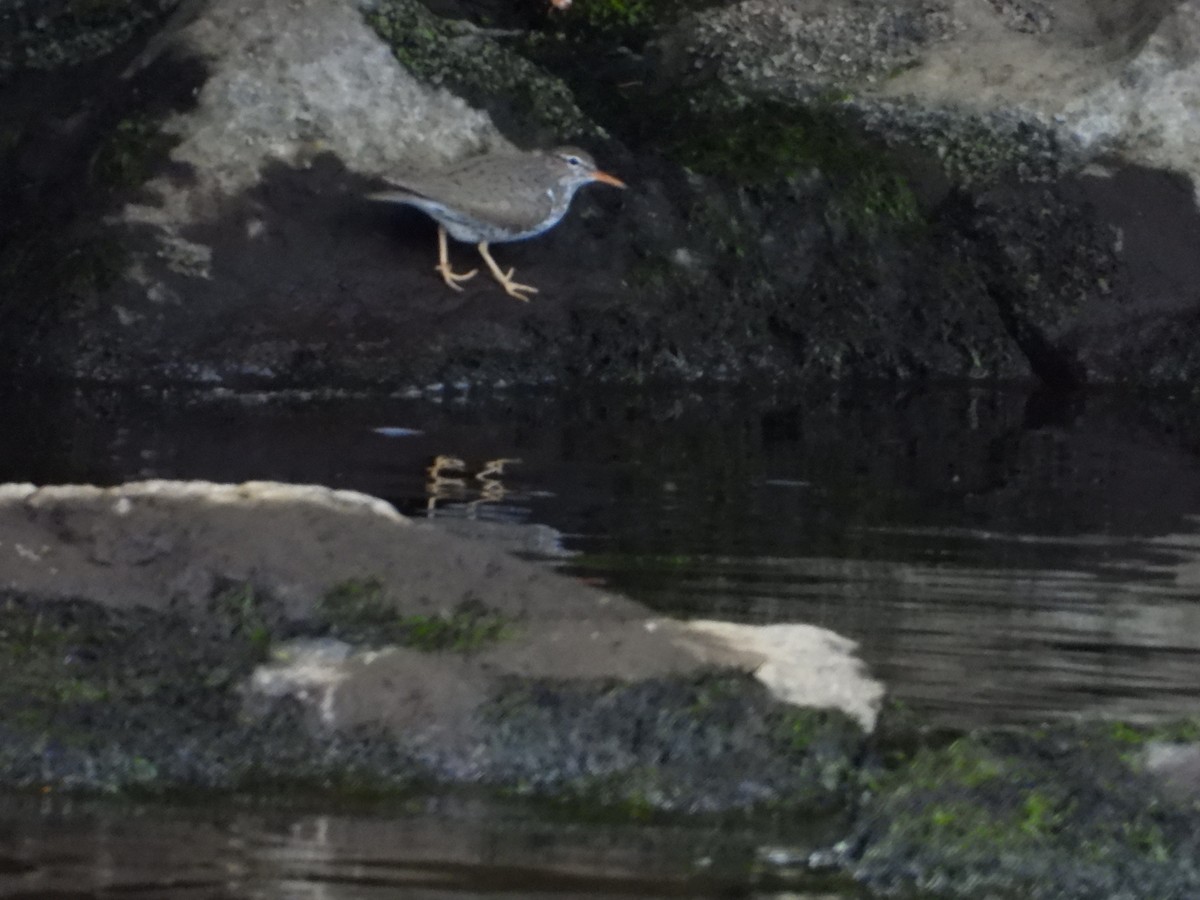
column 574, row 161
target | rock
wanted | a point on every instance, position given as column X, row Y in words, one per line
column 831, row 677
column 1176, row 765
column 325, row 618
column 1062, row 811
column 905, row 189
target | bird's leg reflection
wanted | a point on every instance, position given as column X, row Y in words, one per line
column 443, row 487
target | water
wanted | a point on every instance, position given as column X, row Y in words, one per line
column 444, row 848
column 1002, row 557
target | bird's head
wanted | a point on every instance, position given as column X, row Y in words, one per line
column 578, row 168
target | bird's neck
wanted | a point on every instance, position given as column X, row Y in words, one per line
column 563, row 194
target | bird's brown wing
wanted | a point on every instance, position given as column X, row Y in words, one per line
column 481, row 189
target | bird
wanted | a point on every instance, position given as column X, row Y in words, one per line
column 496, row 198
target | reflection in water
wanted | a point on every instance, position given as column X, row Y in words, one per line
column 450, row 482
column 1002, row 558
column 433, row 849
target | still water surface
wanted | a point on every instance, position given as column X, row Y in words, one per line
column 1001, row 558
column 444, row 848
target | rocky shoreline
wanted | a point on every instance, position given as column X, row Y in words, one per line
column 181, row 636
column 900, row 190
column 893, row 190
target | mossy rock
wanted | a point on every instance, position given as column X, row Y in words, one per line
column 98, row 699
column 131, row 153
column 689, row 744
column 531, row 105
column 359, row 611
column 768, row 143
column 45, row 35
column 1055, row 812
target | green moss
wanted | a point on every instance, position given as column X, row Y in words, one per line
column 769, row 143
column 358, row 610
column 467, row 629
column 602, row 24
column 636, row 794
column 801, row 727
column 78, row 690
column 1185, row 730
column 61, row 661
column 67, row 34
column 944, row 793
column 355, row 600
column 37, row 672
column 1041, row 815
column 1148, row 839
column 140, row 699
column 243, row 607
column 618, row 15
column 1053, row 798
column 962, row 763
column 131, row 153
column 479, row 69
column 713, row 692
column 877, row 199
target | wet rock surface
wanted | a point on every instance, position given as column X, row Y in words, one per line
column 172, row 635
column 278, row 672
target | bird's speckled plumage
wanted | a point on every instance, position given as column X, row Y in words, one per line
column 498, row 197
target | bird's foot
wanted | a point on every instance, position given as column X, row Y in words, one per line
column 452, row 278
column 512, row 288
column 505, row 279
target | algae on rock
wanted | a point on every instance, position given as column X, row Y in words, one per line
column 473, row 63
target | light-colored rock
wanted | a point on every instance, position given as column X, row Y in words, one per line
column 289, row 79
column 800, row 664
column 1116, row 81
column 175, row 545
column 1149, row 111
column 1176, row 765
column 155, row 542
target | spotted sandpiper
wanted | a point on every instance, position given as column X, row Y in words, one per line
column 495, row 198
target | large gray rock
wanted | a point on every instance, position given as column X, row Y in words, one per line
column 166, row 545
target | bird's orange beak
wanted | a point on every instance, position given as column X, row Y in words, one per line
column 608, row 179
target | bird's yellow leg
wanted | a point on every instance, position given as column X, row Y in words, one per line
column 448, row 274
column 510, row 287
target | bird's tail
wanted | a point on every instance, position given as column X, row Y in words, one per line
column 394, row 196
